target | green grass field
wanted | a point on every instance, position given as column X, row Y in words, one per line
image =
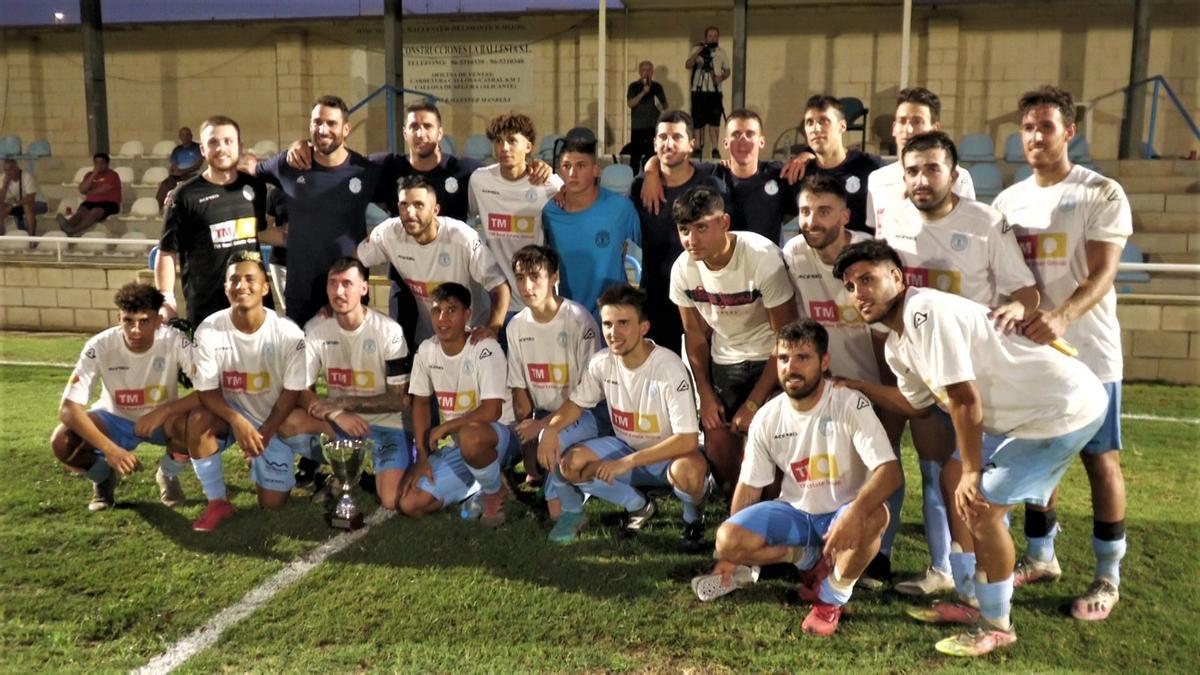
column 111, row 590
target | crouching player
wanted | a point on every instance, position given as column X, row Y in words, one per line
column 838, row 472
column 946, row 351
column 653, row 413
column 549, row 345
column 365, row 361
column 250, row 371
column 473, row 443
column 137, row 363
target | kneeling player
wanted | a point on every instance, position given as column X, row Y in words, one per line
column 653, row 413
column 838, row 468
column 947, row 351
column 250, row 370
column 137, row 363
column 472, row 399
column 365, row 360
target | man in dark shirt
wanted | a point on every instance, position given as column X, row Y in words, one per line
column 646, row 100
column 824, row 124
column 327, row 205
column 660, row 241
column 211, row 216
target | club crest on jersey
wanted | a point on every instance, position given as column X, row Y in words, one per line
column 369, row 346
column 451, row 185
column 815, row 468
column 1067, row 204
column 467, row 368
column 531, row 195
column 456, row 401
column 958, row 241
column 853, row 184
column 250, row 383
column 825, row 425
column 268, row 351
column 355, row 185
column 602, row 240
column 503, row 223
column 444, row 259
column 345, row 378
column 548, row 374
column 634, row 423
column 140, row 398
column 301, row 180
column 562, row 338
column 159, row 364
column 248, row 193
column 771, row 188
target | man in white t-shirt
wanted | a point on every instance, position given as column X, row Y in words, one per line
column 854, row 352
column 656, row 439
column 838, row 470
column 250, row 371
column 917, row 110
column 474, row 441
column 1072, row 224
column 964, row 247
column 947, row 351
column 509, row 206
column 549, row 345
column 428, row 250
column 733, row 287
column 137, row 364
column 364, row 359
column 19, row 198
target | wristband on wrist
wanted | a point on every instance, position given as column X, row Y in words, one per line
column 751, row 405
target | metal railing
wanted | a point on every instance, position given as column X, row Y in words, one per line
column 392, row 92
column 1160, row 86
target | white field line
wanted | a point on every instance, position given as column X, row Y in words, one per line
column 208, row 634
column 43, row 364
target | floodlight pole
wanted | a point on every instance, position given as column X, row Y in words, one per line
column 393, row 41
column 601, row 73
column 905, row 43
column 1135, row 95
column 94, row 88
column 739, row 54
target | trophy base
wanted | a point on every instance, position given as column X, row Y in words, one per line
column 350, row 524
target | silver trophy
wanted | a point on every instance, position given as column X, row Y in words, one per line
column 345, row 457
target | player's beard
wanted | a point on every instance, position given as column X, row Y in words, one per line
column 805, row 392
column 333, row 145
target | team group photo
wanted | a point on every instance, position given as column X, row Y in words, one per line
column 742, row 366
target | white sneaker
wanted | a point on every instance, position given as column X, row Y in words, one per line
column 932, row 581
column 1030, row 571
column 709, row 587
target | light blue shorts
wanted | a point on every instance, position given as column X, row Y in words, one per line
column 782, row 524
column 611, row 447
column 582, row 430
column 393, row 448
column 452, row 479
column 1108, row 438
column 272, row 470
column 120, row 430
column 1028, row 469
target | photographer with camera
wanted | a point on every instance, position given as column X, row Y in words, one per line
column 710, row 67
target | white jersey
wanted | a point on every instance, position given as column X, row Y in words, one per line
column 363, row 362
column 821, row 297
column 131, row 384
column 734, row 299
column 646, row 405
column 510, row 215
column 1053, row 225
column 462, row 381
column 457, row 254
column 826, row 453
column 1027, row 390
column 969, row 251
column 886, row 190
column 251, row 370
column 548, row 359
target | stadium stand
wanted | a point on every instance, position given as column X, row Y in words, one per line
column 130, row 150
column 1014, row 153
column 617, row 177
column 162, row 149
column 152, row 177
column 478, row 147
column 988, row 179
column 853, row 109
column 10, row 146
column 976, row 148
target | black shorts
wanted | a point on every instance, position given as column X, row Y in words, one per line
column 733, row 383
column 110, row 208
column 708, row 108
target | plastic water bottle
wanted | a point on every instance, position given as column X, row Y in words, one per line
column 472, row 507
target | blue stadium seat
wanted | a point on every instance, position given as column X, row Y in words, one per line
column 1131, row 254
column 1023, row 171
column 478, row 147
column 976, row 148
column 852, row 110
column 1014, row 151
column 10, row 146
column 546, row 149
column 447, row 145
column 988, row 179
column 617, row 177
column 1078, row 150
column 375, row 215
column 633, row 266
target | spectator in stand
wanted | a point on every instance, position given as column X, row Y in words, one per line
column 185, row 163
column 101, row 190
column 18, row 198
column 646, row 100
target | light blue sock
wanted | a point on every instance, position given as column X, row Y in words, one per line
column 830, row 594
column 812, row 555
column 691, row 510
column 962, row 568
column 488, row 477
column 569, row 497
column 617, row 493
column 211, row 473
column 895, row 502
column 933, row 506
column 170, row 466
column 99, row 471
column 995, row 600
column 1108, row 559
column 1041, row 549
